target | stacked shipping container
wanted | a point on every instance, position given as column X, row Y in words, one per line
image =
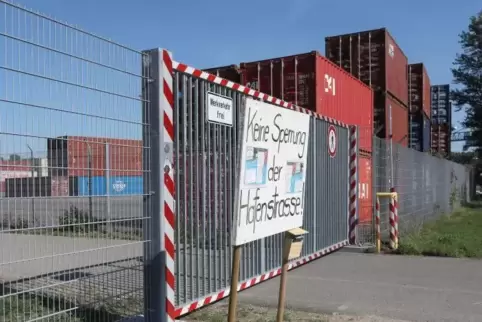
column 419, row 107
column 441, row 119
column 375, row 58
column 313, row 82
column 70, row 156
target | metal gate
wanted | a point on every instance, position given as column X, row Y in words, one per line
column 200, row 177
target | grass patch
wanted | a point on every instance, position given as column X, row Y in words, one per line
column 458, row 235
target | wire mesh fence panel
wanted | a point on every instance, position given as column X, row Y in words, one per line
column 71, row 174
column 206, row 176
column 427, row 186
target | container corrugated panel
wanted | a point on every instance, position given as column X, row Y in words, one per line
column 28, row 187
column 374, row 57
column 420, row 131
column 400, row 118
column 419, row 89
column 365, row 197
column 313, row 82
column 441, row 138
column 416, row 131
column 230, row 72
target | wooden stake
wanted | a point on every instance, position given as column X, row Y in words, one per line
column 284, row 272
column 233, row 294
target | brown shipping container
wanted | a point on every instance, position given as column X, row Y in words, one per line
column 441, row 139
column 383, row 103
column 311, row 81
column 374, row 57
column 69, row 156
column 230, row 72
column 419, row 89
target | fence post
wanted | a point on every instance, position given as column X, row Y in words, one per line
column 158, row 186
column 353, row 216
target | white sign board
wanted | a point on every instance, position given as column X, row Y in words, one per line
column 220, row 109
column 273, row 169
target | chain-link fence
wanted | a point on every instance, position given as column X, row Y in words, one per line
column 71, row 177
column 427, row 187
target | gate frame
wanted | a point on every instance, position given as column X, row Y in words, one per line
column 163, row 248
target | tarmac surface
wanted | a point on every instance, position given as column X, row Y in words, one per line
column 389, row 286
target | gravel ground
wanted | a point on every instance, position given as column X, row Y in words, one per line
column 250, row 313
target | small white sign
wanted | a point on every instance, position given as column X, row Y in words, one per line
column 220, row 109
column 332, row 141
column 273, row 167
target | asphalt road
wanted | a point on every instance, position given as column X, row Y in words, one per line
column 407, row 288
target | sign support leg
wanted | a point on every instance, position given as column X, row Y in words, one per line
column 284, row 272
column 233, row 294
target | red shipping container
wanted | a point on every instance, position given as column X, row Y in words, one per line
column 311, row 81
column 69, row 156
column 231, row 72
column 400, row 119
column 419, row 89
column 365, row 197
column 374, row 57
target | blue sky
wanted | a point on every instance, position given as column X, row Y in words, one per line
column 214, row 32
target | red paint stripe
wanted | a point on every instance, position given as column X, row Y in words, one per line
column 170, row 279
column 167, row 60
column 197, row 73
column 169, row 126
column 169, row 183
column 169, row 245
column 182, row 68
column 169, row 215
column 171, row 310
column 168, row 93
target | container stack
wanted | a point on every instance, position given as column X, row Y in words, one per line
column 311, row 81
column 375, row 58
column 441, row 119
column 419, row 106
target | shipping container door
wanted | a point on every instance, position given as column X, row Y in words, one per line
column 399, row 121
column 365, row 198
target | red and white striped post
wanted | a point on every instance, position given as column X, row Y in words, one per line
column 353, row 213
column 167, row 102
column 393, row 221
column 377, row 225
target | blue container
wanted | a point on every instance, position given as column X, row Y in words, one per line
column 98, row 186
column 118, row 186
column 126, row 185
column 427, row 131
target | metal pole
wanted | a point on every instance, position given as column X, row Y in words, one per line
column 33, row 181
column 392, row 184
column 89, row 156
column 107, row 186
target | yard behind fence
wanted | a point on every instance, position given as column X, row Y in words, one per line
column 93, row 249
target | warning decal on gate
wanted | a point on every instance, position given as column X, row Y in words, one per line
column 332, row 141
